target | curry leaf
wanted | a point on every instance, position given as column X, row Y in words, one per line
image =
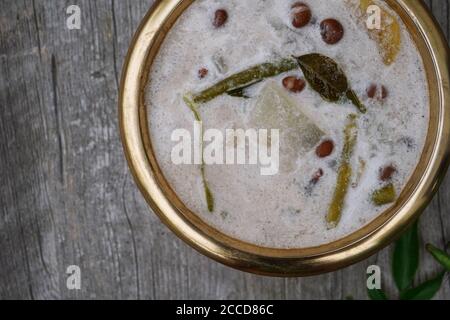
column 208, row 194
column 327, row 78
column 406, row 258
column 425, row 291
column 246, row 77
column 442, row 257
column 240, row 92
column 351, row 95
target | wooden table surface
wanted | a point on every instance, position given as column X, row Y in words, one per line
column 66, row 194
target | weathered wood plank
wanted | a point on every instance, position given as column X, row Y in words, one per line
column 67, row 197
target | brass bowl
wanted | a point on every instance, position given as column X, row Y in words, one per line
column 284, row 262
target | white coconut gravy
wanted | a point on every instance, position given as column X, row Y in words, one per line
column 288, row 209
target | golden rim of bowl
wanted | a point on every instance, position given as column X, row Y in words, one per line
column 357, row 246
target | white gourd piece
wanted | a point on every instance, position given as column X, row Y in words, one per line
column 275, row 109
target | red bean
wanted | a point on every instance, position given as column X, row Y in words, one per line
column 377, row 92
column 387, row 172
column 294, row 84
column 203, row 72
column 331, row 30
column 316, row 177
column 220, row 18
column 324, row 149
column 301, row 14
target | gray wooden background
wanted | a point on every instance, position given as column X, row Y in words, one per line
column 67, row 197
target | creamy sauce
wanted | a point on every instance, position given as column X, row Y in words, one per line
column 281, row 210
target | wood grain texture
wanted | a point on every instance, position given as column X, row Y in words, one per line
column 67, row 197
